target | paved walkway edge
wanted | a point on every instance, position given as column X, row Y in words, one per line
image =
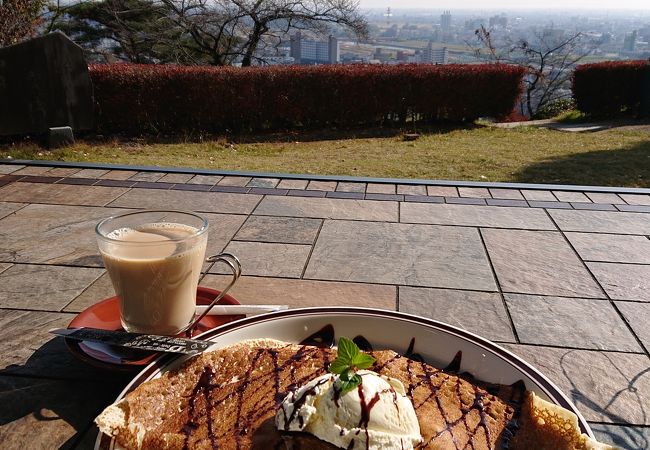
column 480, row 184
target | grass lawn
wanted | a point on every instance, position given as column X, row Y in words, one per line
column 531, row 155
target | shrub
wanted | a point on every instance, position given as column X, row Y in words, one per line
column 609, row 88
column 167, row 98
column 555, row 108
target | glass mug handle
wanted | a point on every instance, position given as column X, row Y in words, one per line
column 231, row 261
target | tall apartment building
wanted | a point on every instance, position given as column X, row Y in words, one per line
column 432, row 55
column 305, row 51
column 445, row 26
column 445, row 22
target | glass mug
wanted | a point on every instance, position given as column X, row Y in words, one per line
column 154, row 260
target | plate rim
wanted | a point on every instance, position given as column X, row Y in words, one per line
column 549, row 387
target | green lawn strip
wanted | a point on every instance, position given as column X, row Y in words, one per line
column 531, row 155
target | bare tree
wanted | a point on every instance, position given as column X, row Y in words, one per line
column 549, row 63
column 226, row 30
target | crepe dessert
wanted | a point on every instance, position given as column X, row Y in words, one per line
column 268, row 394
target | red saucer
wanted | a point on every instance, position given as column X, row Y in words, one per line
column 106, row 316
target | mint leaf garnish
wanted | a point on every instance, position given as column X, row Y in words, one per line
column 362, row 361
column 338, row 366
column 347, row 381
column 347, row 350
column 348, row 361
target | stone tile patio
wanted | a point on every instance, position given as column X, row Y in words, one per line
column 566, row 288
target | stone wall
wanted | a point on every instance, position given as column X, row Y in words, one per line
column 44, row 83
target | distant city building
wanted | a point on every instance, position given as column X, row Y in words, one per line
column 432, row 55
column 305, row 51
column 629, row 43
column 445, row 22
column 498, row 21
column 474, row 24
column 445, row 26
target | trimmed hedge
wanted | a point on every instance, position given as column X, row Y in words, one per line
column 609, row 88
column 166, row 98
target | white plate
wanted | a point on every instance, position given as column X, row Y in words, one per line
column 437, row 342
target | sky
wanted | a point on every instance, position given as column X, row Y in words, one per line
column 612, row 5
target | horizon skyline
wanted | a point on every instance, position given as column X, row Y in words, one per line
column 478, row 5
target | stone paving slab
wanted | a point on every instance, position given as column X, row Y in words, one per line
column 100, row 289
column 23, row 332
column 344, row 186
column 176, row 178
column 293, row 184
column 218, row 202
column 264, row 182
column 55, row 235
column 7, row 208
column 39, row 413
column 265, row 259
column 602, row 222
column 305, row 293
column 234, row 181
column 328, row 208
column 63, row 171
column 606, row 387
column 411, row 189
column 538, row 262
column 549, row 205
column 543, row 196
column 380, row 188
column 482, row 313
column 465, row 201
column 481, row 216
column 506, row 202
column 414, row 255
column 638, row 316
column 60, row 194
column 442, row 191
column 506, row 194
column 205, row 179
column 600, row 197
column 321, row 185
column 611, row 247
column 147, row 176
column 624, row 437
column 31, row 170
column 593, row 206
column 569, row 322
column 566, row 196
column 118, row 174
column 221, row 229
column 636, row 199
column 87, row 173
column 623, row 281
column 474, row 192
column 43, row 288
column 285, row 230
column 7, row 168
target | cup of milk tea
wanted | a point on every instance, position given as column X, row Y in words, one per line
column 154, row 260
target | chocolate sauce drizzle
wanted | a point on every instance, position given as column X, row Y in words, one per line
column 322, row 338
column 362, row 343
column 202, row 388
column 316, row 346
column 366, row 407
